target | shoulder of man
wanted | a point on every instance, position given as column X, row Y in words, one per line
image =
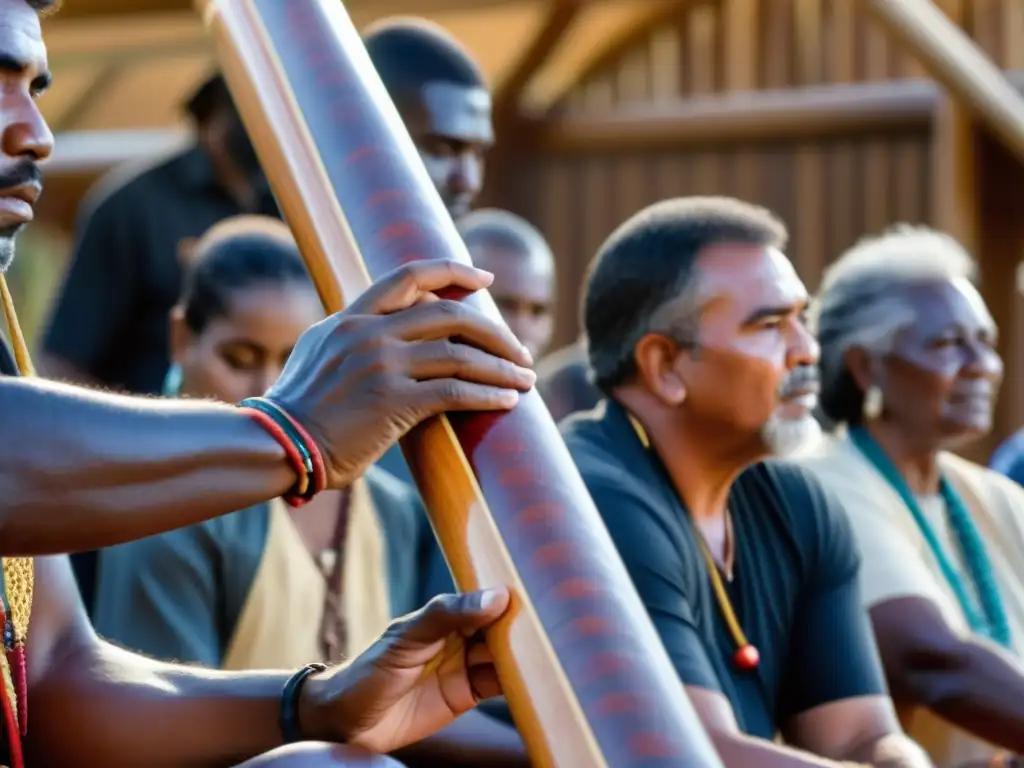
column 803, row 498
column 618, row 486
column 126, row 186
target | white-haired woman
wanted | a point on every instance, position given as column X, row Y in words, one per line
column 909, row 372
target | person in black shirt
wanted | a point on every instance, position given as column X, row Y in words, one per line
column 109, row 326
column 563, row 380
column 747, row 567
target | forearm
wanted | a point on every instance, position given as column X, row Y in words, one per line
column 81, row 470
column 472, row 740
column 741, row 751
column 106, row 706
column 978, row 688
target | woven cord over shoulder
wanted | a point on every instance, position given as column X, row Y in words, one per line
column 18, row 572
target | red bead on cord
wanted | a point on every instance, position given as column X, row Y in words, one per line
column 291, row 452
column 319, row 467
column 747, row 658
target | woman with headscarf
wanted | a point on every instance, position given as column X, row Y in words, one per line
column 909, row 373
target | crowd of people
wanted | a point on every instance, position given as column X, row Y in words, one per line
column 833, row 584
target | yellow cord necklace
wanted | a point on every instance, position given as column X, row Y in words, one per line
column 747, row 656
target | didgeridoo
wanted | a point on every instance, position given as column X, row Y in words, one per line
column 586, row 677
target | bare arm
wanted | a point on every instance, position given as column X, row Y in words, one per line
column 92, row 469
column 92, row 702
column 472, row 740
column 966, row 680
column 857, row 732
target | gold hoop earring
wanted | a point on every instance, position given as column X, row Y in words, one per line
column 872, row 408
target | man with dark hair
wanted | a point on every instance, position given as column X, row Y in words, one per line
column 694, row 318
column 82, row 469
column 109, row 326
column 443, row 100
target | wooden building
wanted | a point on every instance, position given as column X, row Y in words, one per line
column 844, row 116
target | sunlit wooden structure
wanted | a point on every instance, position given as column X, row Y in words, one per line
column 842, row 115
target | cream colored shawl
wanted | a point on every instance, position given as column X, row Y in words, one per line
column 279, row 626
column 897, row 561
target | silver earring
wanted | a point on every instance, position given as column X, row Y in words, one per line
column 872, row 403
column 172, row 381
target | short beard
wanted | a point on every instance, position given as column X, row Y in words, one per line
column 7, row 247
column 785, row 437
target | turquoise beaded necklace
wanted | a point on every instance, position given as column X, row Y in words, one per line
column 990, row 619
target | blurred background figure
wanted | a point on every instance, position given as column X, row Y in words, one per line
column 910, row 373
column 109, row 323
column 524, row 272
column 443, row 100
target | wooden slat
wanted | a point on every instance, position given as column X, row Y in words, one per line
column 957, row 63
column 559, row 18
column 794, row 113
column 808, row 228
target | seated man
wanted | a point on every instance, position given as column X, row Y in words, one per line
column 695, row 322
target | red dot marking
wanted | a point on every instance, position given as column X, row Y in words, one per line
column 552, row 553
column 577, row 587
column 540, row 513
column 591, row 625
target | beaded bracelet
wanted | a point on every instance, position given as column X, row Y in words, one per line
column 319, row 469
column 299, row 494
column 313, row 468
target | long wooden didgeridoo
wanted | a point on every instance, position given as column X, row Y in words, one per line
column 585, row 674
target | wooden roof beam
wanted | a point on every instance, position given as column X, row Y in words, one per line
column 956, row 62
column 833, row 110
column 559, row 17
column 93, row 151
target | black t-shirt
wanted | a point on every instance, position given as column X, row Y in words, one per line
column 111, row 318
column 794, row 589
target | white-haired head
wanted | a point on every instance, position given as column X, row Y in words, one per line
column 858, row 306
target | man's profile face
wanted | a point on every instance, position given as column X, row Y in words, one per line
column 523, row 289
column 25, row 137
column 754, row 369
column 451, row 126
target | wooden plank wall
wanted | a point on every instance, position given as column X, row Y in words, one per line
column 829, row 191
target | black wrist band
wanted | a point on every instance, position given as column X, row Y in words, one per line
column 290, row 727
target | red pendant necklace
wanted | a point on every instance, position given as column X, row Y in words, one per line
column 746, row 658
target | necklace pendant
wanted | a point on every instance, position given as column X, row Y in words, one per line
column 747, row 658
column 8, row 634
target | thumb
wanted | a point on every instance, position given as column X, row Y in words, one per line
column 464, row 614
